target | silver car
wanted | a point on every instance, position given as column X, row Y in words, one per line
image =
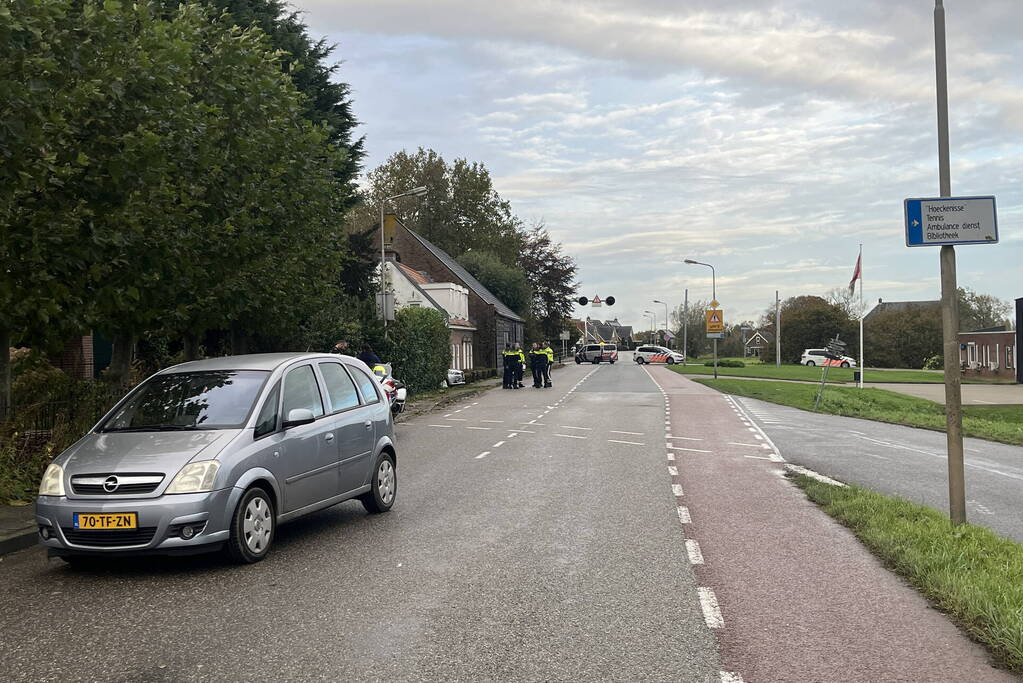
column 215, row 454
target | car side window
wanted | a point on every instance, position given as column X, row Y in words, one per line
column 267, row 420
column 367, row 386
column 340, row 389
column 300, row 391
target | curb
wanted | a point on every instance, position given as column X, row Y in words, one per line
column 17, row 542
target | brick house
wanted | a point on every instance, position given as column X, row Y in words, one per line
column 495, row 324
column 988, row 353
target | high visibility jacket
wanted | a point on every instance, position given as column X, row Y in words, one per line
column 521, row 355
column 510, row 358
column 549, row 352
column 537, row 357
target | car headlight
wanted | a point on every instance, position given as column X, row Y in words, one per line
column 195, row 477
column 53, row 481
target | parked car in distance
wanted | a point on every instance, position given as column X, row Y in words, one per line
column 658, row 354
column 215, row 454
column 820, row 357
column 597, row 353
column 455, row 377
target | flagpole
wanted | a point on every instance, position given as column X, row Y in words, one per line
column 862, row 368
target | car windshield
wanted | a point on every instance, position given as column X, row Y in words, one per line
column 219, row 399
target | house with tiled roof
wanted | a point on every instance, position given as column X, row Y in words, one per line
column 494, row 323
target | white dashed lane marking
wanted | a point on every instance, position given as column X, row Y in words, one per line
column 482, row 455
column 442, row 426
column 711, row 611
column 629, row 443
column 498, row 444
column 484, row 428
column 618, row 431
column 570, row 436
column 684, row 438
column 683, row 515
column 589, row 429
column 677, row 490
column 694, row 552
column 691, row 450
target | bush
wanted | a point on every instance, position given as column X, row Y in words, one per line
column 725, row 363
column 419, row 348
column 936, row 362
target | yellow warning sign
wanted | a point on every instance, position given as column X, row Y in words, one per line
column 715, row 320
column 390, row 228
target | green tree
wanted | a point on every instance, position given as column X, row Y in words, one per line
column 461, row 210
column 551, row 276
column 697, row 343
column 419, row 348
column 809, row 322
column 901, row 338
column 507, row 283
column 979, row 311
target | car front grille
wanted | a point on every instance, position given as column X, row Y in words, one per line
column 109, row 538
column 127, row 484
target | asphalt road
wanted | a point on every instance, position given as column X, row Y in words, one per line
column 535, row 537
column 901, row 461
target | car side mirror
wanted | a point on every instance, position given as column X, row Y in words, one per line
column 298, row 416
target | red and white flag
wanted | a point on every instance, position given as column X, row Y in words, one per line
column 857, row 274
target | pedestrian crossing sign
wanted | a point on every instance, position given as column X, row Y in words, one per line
column 715, row 321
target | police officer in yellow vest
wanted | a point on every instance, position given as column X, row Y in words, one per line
column 549, row 353
column 520, row 366
column 510, row 358
column 537, row 361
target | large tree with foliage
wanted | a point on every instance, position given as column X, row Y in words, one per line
column 507, row 283
column 551, row 276
column 461, row 210
column 809, row 322
column 901, row 338
column 980, row 311
column 697, row 343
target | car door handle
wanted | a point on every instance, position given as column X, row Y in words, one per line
column 329, row 437
column 369, row 424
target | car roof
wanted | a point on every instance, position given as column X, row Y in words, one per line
column 252, row 361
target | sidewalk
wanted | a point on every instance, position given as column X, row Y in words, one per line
column 791, row 594
column 17, row 527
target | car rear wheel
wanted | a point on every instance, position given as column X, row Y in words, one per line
column 252, row 527
column 383, row 488
column 596, row 361
column 639, row 359
column 810, row 363
column 670, row 361
column 845, row 364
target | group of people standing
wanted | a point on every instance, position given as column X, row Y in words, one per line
column 541, row 359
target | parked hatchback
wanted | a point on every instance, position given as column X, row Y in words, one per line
column 215, row 454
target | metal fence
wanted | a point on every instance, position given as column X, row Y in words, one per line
column 80, row 411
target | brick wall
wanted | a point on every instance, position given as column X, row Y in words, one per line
column 76, row 359
column 988, row 354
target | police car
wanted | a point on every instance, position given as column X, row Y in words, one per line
column 821, row 357
column 658, row 354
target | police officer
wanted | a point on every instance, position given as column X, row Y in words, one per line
column 510, row 358
column 520, row 366
column 548, row 353
column 537, row 359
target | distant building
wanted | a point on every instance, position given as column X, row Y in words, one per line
column 900, row 307
column 988, row 353
column 756, row 344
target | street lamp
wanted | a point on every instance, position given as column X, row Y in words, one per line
column 414, row 192
column 653, row 325
column 714, row 302
column 665, row 320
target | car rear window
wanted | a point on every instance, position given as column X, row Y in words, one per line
column 610, row 347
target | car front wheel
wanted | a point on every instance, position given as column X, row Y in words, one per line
column 383, row 487
column 252, row 527
column 845, row 364
column 639, row 359
column 810, row 363
column 670, row 361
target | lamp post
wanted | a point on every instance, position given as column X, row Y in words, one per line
column 653, row 325
column 665, row 320
column 414, row 192
column 714, row 297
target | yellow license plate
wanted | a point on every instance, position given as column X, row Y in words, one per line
column 106, row 521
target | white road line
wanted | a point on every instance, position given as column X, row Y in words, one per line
column 693, row 550
column 458, row 419
column 483, row 428
column 775, row 453
column 442, row 426
column 684, row 438
column 677, row 490
column 482, row 455
column 448, row 415
column 630, row 443
column 730, row 677
column 498, row 444
column 757, row 436
column 711, row 611
column 813, row 475
column 879, row 457
column 671, row 457
column 570, row 436
column 589, row 429
column 691, row 450
column 751, row 445
column 534, row 423
column 495, row 421
column 758, row 457
column 524, row 431
column 683, row 515
column 672, row 471
column 617, row 431
column 512, row 435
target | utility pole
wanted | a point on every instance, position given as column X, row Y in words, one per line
column 949, row 297
column 685, row 329
column 777, row 329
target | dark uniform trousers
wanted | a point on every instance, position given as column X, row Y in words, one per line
column 510, row 359
column 537, row 361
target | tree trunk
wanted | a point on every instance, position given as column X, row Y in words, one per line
column 239, row 340
column 191, row 346
column 5, row 373
column 122, row 354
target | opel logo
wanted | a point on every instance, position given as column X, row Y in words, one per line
column 110, row 484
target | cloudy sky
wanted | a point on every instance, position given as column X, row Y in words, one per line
column 767, row 137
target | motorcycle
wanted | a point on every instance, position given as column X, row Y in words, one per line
column 394, row 388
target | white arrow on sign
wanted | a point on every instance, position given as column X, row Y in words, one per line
column 916, row 223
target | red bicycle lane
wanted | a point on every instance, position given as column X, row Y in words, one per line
column 790, row 593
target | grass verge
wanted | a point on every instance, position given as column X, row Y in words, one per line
column 970, row 573
column 813, row 374
column 996, row 423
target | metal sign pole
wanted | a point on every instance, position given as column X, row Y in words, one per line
column 949, row 298
column 685, row 329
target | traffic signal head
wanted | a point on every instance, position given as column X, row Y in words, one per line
column 583, row 301
column 610, row 301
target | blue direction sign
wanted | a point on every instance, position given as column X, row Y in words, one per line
column 951, row 220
